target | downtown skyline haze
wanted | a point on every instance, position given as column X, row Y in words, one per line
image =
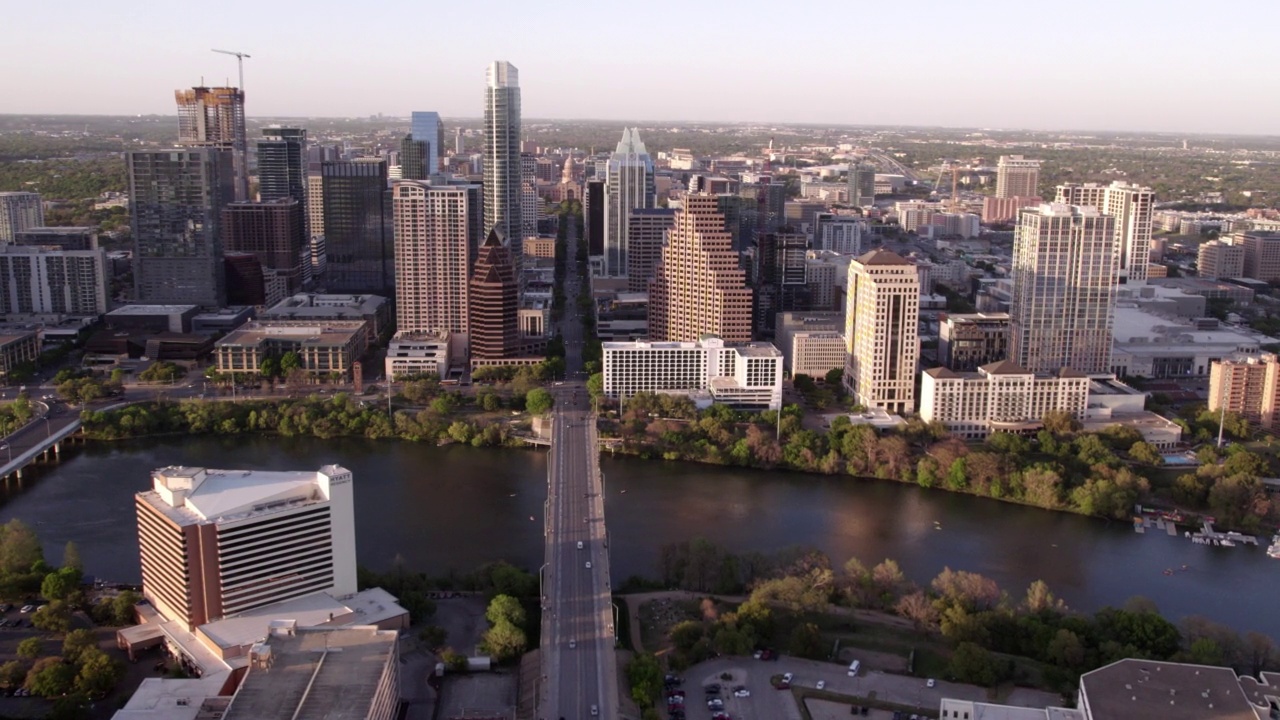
column 1093, row 65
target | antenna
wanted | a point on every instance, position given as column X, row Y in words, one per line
column 239, row 61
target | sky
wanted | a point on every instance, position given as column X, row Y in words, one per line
column 1143, row 65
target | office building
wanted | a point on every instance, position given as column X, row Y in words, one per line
column 646, row 234
column 1261, row 254
column 628, row 185
column 1131, row 206
column 50, row 281
column 747, row 376
column 214, row 118
column 1002, row 211
column 63, row 238
column 698, row 288
column 811, row 343
column 1017, row 176
column 282, row 168
column 437, row 228
column 838, row 233
column 1064, row 279
column 414, row 156
column 780, row 281
column 967, row 342
column 881, row 327
column 357, row 227
column 175, row 210
column 593, row 217
column 426, row 127
column 274, row 233
column 326, row 349
column 820, row 278
column 219, row 542
column 862, row 184
column 19, row 211
column 494, row 303
column 999, row 397
column 503, row 175
column 413, row 354
column 540, row 247
column 315, row 205
column 18, row 348
column 317, row 308
column 1248, row 386
column 246, row 281
column 1217, row 259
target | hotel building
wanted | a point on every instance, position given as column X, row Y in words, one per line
column 746, row 376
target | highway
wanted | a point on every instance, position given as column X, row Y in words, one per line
column 579, row 664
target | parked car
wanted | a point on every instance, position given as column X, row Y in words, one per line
column 742, row 693
column 821, row 684
column 931, row 683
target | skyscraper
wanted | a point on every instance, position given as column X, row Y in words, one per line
column 628, row 185
column 593, row 216
column 19, row 211
column 495, row 307
column 414, row 156
column 282, row 167
column 426, row 127
column 214, row 117
column 53, row 281
column 357, row 236
column 1131, row 206
column 1064, row 277
column 698, row 288
column 503, row 201
column 1017, row 176
column 273, row 233
column 646, row 234
column 175, row 209
column 437, row 228
column 862, row 184
column 881, row 326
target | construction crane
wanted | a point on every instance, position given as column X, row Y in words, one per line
column 239, row 61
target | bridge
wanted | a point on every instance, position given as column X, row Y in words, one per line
column 40, row 438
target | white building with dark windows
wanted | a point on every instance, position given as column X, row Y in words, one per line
column 999, row 397
column 746, row 376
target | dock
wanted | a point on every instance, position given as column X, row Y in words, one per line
column 1208, row 536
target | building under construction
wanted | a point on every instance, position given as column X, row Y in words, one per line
column 214, row 117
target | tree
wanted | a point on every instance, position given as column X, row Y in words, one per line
column 290, row 362
column 505, row 608
column 19, row 548
column 269, row 368
column 1066, row 649
column 595, row 385
column 122, row 607
column 917, row 608
column 50, row 677
column 61, row 584
column 973, row 664
column 834, row 376
column 12, row 674
column 1040, row 599
column 30, row 648
column 686, row 634
column 77, row 642
column 71, row 557
column 453, row 660
column 644, row 675
column 504, row 641
column 1145, row 452
column 538, row 401
column 806, row 641
column 1059, row 422
column 433, row 636
column 98, row 673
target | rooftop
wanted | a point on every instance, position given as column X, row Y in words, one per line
column 314, row 674
column 152, row 309
column 173, row 699
column 328, row 332
column 1139, row 689
column 190, row 495
column 1135, row 326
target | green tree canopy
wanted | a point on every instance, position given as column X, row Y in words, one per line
column 538, row 401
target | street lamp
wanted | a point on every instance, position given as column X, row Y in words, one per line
column 48, row 430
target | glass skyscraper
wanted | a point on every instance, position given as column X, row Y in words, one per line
column 629, row 184
column 502, row 177
column 426, row 127
column 356, row 227
column 282, row 165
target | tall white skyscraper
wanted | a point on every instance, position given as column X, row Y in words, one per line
column 1131, row 206
column 1064, row 278
column 503, row 204
column 881, row 331
column 19, row 211
column 1017, row 176
column 629, row 185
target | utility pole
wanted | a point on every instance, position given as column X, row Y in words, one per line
column 239, row 61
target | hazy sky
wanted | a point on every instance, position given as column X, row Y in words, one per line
column 1171, row 65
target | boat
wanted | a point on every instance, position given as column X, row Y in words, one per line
column 1274, row 549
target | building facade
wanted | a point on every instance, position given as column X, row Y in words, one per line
column 1000, row 211
column 315, row 205
column 357, row 227
column 18, row 349
column 881, row 331
column 219, row 542
column 862, row 184
column 1261, row 254
column 175, row 210
column 214, row 118
column 273, row 232
column 1131, row 206
column 44, row 281
column 1064, row 278
column 437, row 228
column 19, row 211
column 425, row 126
column 838, row 233
column 593, row 217
column 969, row 341
column 746, row 376
column 282, row 168
column 999, row 397
column 494, row 302
column 646, row 234
column 1248, row 386
column 63, row 238
column 628, row 186
column 1017, row 176
column 1216, row 259
column 698, row 288
column 503, row 177
column 411, row 354
column 323, row 349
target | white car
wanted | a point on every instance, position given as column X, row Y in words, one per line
column 931, row 683
column 787, row 678
column 588, row 564
column 595, row 710
column 821, row 684
column 573, row 644
column 742, row 693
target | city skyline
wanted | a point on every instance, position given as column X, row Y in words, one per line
column 286, row 77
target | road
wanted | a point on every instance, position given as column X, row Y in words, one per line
column 579, row 664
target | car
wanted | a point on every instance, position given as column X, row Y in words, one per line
column 757, row 654
column 787, row 677
column 595, row 710
column 715, row 704
column 821, row 684
column 27, row 608
column 931, row 683
column 573, row 644
column 588, row 564
column 742, row 693
column 579, row 544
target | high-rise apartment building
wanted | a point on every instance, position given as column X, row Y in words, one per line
column 881, row 331
column 1249, row 386
column 175, row 210
column 1131, row 206
column 1064, row 278
column 19, row 211
column 1217, row 259
column 495, row 306
column 862, row 184
column 1261, row 254
column 437, row 228
column 214, row 118
column 426, row 127
column 215, row 543
column 646, row 234
column 839, row 233
column 274, row 233
column 698, row 288
column 503, row 179
column 315, row 204
column 628, row 185
column 282, row 167
column 47, row 281
column 62, row 237
column 356, row 227
column 1017, row 176
column 414, row 156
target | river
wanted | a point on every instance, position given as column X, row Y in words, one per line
column 454, row 508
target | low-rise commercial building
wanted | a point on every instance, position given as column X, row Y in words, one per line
column 969, row 341
column 1157, row 346
column 411, row 354
column 17, row 348
column 152, row 318
column 323, row 348
column 621, row 316
column 316, row 307
column 540, row 247
column 746, row 376
column 811, row 342
column 1207, row 288
column 999, row 397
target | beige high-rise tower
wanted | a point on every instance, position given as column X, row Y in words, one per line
column 1064, row 278
column 1131, row 206
column 698, row 288
column 436, row 229
column 1017, row 176
column 881, row 331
